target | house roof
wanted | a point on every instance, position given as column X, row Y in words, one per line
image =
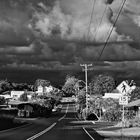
column 14, row 102
column 112, row 95
column 115, row 91
column 134, row 103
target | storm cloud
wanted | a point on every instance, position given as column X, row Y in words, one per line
column 55, row 34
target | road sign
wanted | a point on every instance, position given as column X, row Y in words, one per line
column 123, row 100
column 123, row 87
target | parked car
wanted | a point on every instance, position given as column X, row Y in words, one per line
column 57, row 108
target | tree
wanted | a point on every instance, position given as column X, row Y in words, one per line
column 23, row 97
column 102, row 84
column 69, row 86
column 2, row 100
column 135, row 94
column 5, row 85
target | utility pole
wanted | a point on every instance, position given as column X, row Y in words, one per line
column 86, row 81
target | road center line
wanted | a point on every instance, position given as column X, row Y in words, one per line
column 49, row 128
column 42, row 132
column 88, row 134
column 65, row 114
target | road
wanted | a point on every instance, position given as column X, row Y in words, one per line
column 62, row 126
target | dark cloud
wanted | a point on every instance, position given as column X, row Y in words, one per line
column 52, row 34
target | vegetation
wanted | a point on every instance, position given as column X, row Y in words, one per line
column 2, row 100
column 69, row 86
column 135, row 95
column 23, row 97
column 102, row 84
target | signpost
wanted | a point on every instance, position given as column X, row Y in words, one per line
column 123, row 88
column 123, row 100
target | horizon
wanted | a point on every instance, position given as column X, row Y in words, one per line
column 21, row 76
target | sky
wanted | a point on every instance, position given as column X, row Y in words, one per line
column 58, row 35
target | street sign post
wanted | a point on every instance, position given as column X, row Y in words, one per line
column 123, row 100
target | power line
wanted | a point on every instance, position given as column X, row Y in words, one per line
column 91, row 17
column 111, row 30
column 97, row 29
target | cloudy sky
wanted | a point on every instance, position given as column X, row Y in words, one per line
column 58, row 34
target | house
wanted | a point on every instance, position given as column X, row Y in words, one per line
column 112, row 95
column 48, row 89
column 16, row 94
column 44, row 89
column 6, row 96
column 115, row 94
column 134, row 106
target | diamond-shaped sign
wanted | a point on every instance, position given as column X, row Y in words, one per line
column 123, row 87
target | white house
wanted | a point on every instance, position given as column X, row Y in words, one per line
column 6, row 96
column 16, row 94
column 40, row 89
column 46, row 89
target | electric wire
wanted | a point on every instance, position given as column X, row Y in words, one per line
column 91, row 17
column 106, row 42
column 97, row 29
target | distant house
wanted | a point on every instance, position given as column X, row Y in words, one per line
column 29, row 94
column 16, row 94
column 115, row 94
column 48, row 89
column 44, row 89
column 40, row 89
column 112, row 95
column 135, row 106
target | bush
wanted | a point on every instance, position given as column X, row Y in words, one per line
column 112, row 115
column 134, row 122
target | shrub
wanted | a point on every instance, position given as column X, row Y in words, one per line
column 112, row 115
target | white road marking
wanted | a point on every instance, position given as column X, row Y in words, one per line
column 49, row 128
column 88, row 134
column 86, row 130
column 42, row 132
column 65, row 114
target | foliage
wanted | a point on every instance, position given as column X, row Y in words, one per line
column 21, row 86
column 5, row 85
column 135, row 94
column 99, row 105
column 57, row 95
column 69, row 86
column 81, row 101
column 102, row 84
column 112, row 115
column 134, row 122
column 23, row 97
column 2, row 100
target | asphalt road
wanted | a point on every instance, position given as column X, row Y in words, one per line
column 62, row 126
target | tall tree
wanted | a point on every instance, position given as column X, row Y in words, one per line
column 102, row 84
column 69, row 86
column 23, row 97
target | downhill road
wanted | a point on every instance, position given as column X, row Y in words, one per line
column 61, row 126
